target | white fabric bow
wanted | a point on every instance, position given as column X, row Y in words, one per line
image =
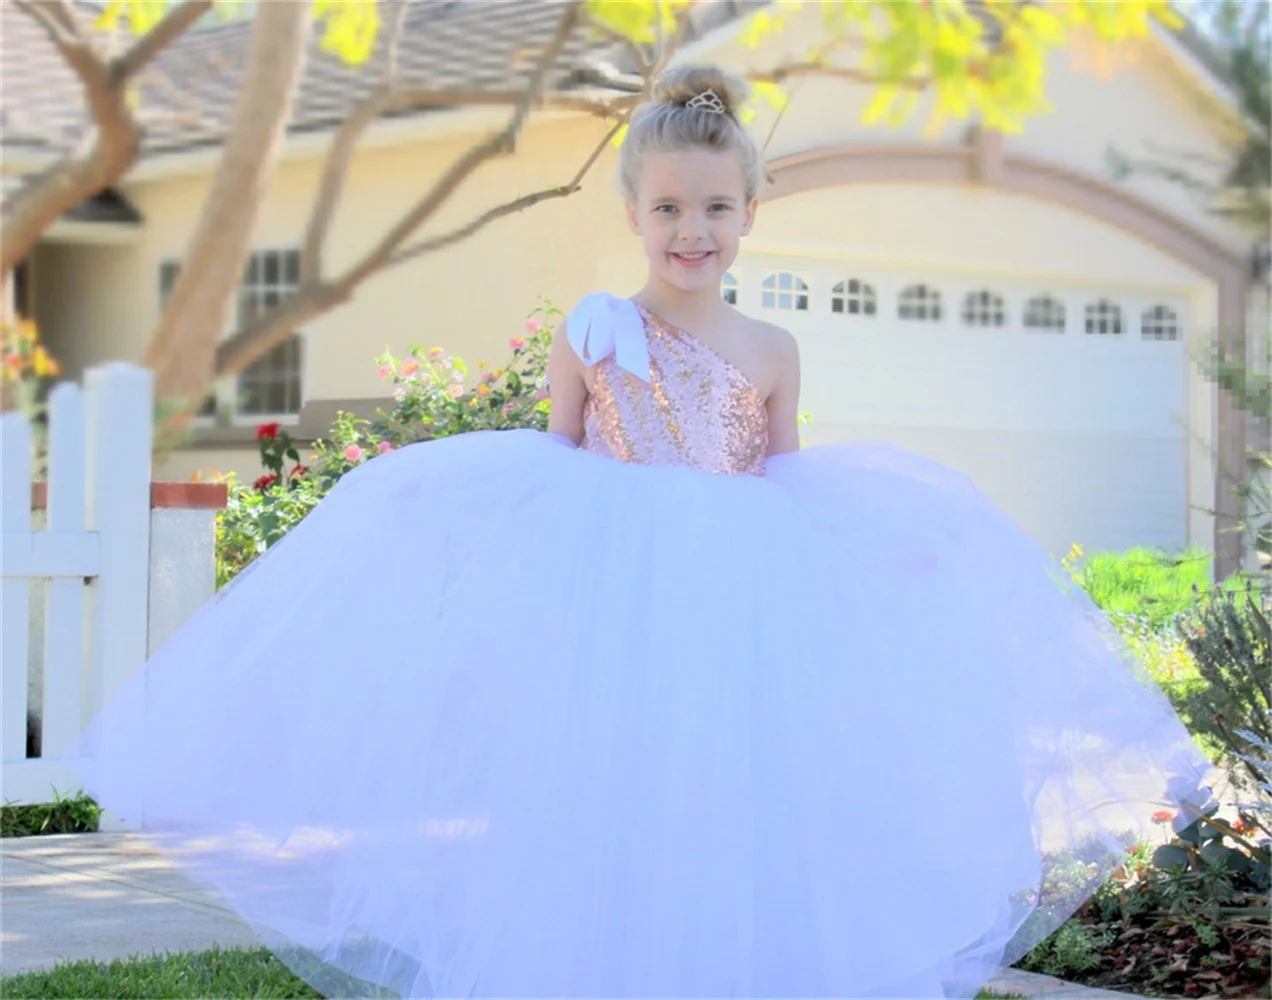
column 603, row 324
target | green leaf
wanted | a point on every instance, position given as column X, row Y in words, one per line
column 633, row 19
column 1169, row 856
column 881, row 104
column 772, row 93
column 351, row 28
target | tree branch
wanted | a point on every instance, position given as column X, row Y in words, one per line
column 683, row 20
column 56, row 17
column 643, row 65
column 44, row 197
column 176, row 22
column 60, row 23
column 254, row 341
column 509, row 208
column 395, row 35
column 780, row 74
column 385, row 100
column 183, row 347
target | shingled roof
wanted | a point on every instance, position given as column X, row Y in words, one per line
column 189, row 95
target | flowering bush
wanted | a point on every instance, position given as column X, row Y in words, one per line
column 28, row 368
column 433, row 397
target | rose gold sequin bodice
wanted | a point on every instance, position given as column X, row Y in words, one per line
column 697, row 409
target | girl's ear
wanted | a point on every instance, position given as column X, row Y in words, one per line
column 750, row 216
column 632, row 221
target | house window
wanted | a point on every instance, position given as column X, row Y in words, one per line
column 983, row 308
column 169, row 270
column 730, row 289
column 921, row 302
column 271, row 385
column 1042, row 312
column 853, row 298
column 785, row 291
column 1159, row 323
column 1104, row 318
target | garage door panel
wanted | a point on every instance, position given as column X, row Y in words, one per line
column 1079, row 436
column 1056, row 392
column 1056, row 486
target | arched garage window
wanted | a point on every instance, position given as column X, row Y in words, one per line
column 1159, row 323
column 1104, row 319
column 920, row 302
column 1042, row 312
column 853, row 298
column 729, row 289
column 785, row 291
column 984, row 308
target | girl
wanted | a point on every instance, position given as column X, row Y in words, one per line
column 656, row 704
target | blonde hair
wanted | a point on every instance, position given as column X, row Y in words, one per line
column 668, row 124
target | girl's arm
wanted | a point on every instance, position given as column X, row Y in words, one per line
column 568, row 389
column 783, row 401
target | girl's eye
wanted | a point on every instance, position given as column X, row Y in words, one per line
column 720, row 207
column 665, row 208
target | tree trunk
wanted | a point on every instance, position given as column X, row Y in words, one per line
column 183, row 348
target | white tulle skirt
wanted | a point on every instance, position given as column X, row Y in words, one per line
column 502, row 718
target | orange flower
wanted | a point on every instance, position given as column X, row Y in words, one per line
column 1162, row 816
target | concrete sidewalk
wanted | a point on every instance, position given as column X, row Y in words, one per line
column 108, row 895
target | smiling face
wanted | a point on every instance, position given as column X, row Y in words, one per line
column 691, row 211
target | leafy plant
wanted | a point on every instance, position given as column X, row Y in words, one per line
column 432, row 398
column 1230, row 641
column 28, row 369
column 1148, row 585
column 71, row 814
column 1075, row 947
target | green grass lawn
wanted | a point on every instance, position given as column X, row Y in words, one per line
column 228, row 973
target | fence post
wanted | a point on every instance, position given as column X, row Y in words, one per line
column 119, row 409
column 15, row 519
column 62, row 716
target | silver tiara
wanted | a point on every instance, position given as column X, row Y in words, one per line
column 708, row 100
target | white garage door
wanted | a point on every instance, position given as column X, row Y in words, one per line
column 1064, row 403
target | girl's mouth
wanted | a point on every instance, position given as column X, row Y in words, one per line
column 695, row 259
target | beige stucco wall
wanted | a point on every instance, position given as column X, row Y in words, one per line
column 471, row 298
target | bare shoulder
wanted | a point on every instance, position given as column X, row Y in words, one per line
column 767, row 336
column 777, row 344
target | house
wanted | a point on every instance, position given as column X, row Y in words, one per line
column 997, row 302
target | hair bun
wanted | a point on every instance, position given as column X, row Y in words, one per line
column 680, row 85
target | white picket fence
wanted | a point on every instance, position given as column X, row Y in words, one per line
column 78, row 577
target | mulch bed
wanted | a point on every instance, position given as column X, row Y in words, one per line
column 1169, row 957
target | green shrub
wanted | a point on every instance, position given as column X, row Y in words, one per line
column 432, row 398
column 1148, row 585
column 1229, row 639
column 73, row 814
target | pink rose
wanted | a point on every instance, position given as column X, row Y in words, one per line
column 516, row 343
column 490, row 377
column 455, row 389
column 353, row 453
column 533, row 326
column 540, row 394
column 457, row 376
column 409, row 368
column 448, row 363
column 435, row 352
column 386, row 371
column 384, row 447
